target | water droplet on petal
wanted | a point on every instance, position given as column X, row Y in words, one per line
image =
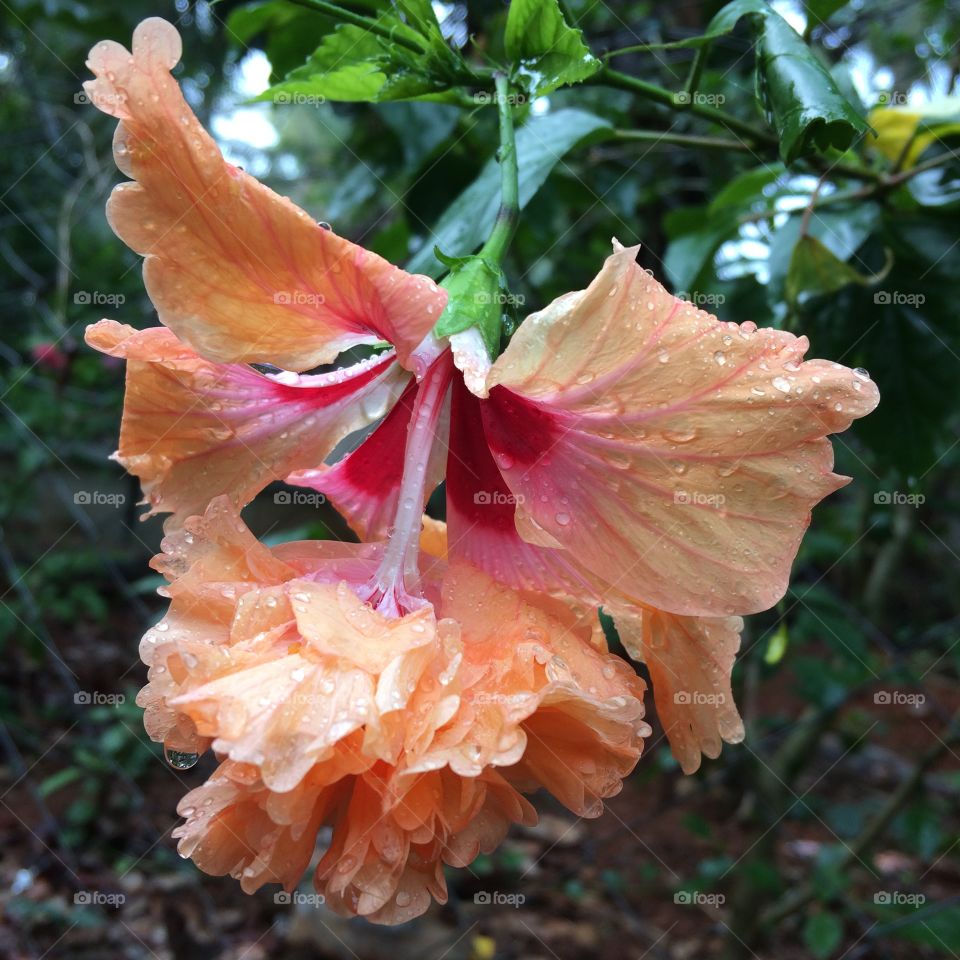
column 782, row 384
column 180, row 760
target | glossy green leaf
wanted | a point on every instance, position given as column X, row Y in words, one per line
column 794, row 89
column 799, row 95
column 466, row 223
column 545, row 50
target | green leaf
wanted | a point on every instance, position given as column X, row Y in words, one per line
column 466, row 223
column 842, row 230
column 354, row 64
column 794, row 89
column 822, row 934
column 545, row 50
column 799, row 95
column 473, row 300
column 814, row 271
column 58, row 780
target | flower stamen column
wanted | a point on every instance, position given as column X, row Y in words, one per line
column 394, row 588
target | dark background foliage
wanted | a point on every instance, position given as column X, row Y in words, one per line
column 832, row 831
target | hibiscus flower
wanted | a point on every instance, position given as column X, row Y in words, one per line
column 625, row 450
column 411, row 737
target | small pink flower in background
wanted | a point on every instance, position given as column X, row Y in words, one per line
column 49, row 356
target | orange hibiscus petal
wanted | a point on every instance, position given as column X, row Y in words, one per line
column 193, row 429
column 675, row 457
column 690, row 660
column 236, row 271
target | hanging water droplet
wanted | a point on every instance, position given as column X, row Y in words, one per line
column 861, row 373
column 180, row 760
column 324, row 225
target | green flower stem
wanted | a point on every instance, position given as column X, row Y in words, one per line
column 614, row 78
column 509, row 212
column 759, row 138
column 683, row 140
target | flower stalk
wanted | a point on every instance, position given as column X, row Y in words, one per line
column 506, row 223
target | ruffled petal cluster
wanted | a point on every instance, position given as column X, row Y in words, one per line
column 412, row 738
